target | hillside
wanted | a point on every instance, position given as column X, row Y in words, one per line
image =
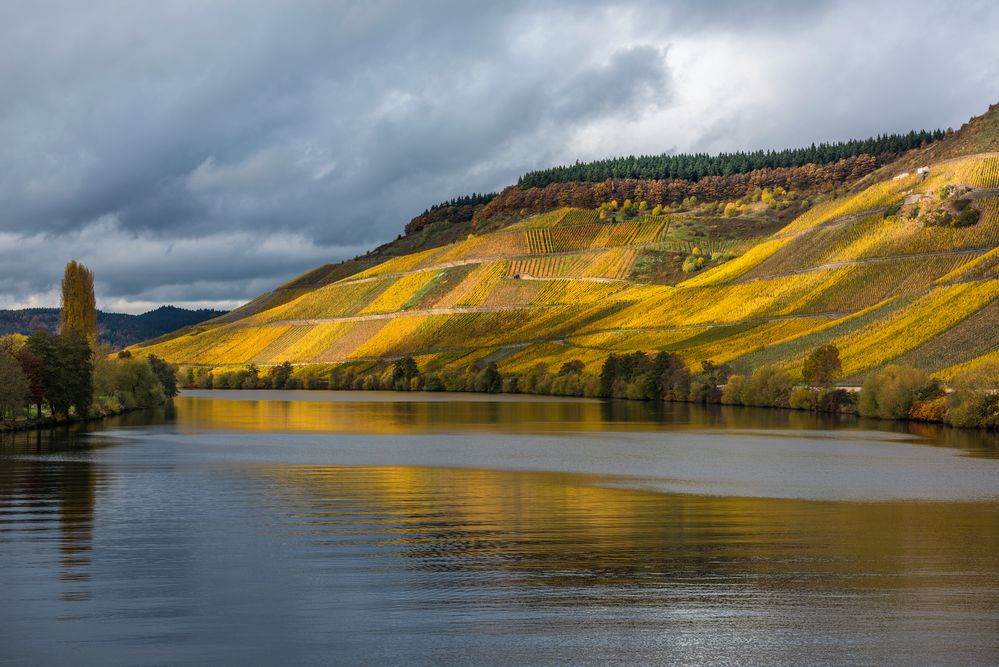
column 118, row 329
column 890, row 264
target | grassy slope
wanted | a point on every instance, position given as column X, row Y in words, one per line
column 882, row 288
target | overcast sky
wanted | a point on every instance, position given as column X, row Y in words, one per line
column 199, row 153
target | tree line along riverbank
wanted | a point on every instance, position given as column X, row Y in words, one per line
column 893, row 392
column 48, row 379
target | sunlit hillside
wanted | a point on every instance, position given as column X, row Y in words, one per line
column 902, row 270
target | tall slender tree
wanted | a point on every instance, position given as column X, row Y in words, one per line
column 79, row 307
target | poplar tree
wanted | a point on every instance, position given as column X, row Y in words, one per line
column 79, row 307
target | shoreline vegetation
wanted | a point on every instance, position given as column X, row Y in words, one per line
column 895, row 392
column 55, row 379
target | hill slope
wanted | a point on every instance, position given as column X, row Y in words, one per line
column 885, row 270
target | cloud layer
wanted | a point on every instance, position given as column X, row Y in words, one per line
column 201, row 152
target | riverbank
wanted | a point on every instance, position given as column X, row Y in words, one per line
column 895, row 392
column 925, row 412
column 50, row 421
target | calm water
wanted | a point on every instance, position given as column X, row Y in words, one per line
column 342, row 528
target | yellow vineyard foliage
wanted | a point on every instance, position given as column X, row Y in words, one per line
column 879, row 287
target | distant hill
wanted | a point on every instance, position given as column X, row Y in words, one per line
column 892, row 262
column 118, row 329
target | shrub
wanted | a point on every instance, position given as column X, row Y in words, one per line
column 693, row 263
column 835, row 401
column 768, row 386
column 932, row 410
column 733, row 389
column 891, row 392
column 803, row 398
column 965, row 218
column 433, row 383
column 974, row 401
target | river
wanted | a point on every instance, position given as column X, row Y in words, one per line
column 363, row 528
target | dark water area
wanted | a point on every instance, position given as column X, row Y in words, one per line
column 362, row 528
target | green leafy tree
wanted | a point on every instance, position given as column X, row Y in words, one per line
column 31, row 366
column 166, row 373
column 823, row 366
column 76, row 358
column 137, row 383
column 403, row 372
column 66, row 370
column 280, row 374
column 672, row 377
column 13, row 387
column 489, row 379
column 574, row 367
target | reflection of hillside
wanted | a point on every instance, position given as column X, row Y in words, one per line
column 564, row 530
column 353, row 412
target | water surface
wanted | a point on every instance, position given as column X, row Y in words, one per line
column 315, row 527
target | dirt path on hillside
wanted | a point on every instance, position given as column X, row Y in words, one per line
column 454, row 310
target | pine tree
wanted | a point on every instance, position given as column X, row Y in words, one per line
column 79, row 307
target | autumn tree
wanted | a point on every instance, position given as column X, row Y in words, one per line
column 822, row 366
column 79, row 307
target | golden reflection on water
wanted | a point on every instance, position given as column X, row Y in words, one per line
column 405, row 414
column 576, row 530
column 132, row 539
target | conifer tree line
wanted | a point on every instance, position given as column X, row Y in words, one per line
column 668, row 192
column 457, row 210
column 474, row 199
column 693, row 167
column 70, row 375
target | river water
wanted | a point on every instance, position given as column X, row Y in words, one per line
column 379, row 528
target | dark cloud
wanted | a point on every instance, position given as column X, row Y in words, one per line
column 191, row 151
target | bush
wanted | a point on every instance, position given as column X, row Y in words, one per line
column 965, row 218
column 974, row 401
column 932, row 410
column 768, row 386
column 891, row 392
column 433, row 383
column 803, row 398
column 835, row 401
column 733, row 389
column 704, row 392
column 692, row 263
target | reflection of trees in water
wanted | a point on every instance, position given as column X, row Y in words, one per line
column 56, row 493
column 569, row 532
column 351, row 412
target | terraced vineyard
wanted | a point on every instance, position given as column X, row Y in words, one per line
column 855, row 270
